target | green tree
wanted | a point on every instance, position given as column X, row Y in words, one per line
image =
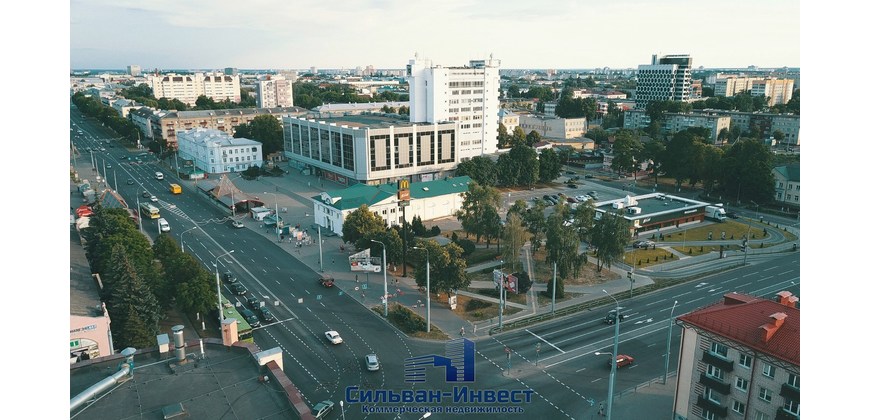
column 514, row 237
column 504, row 139
column 532, row 138
column 525, row 159
column 490, row 224
column 682, row 154
column 389, row 237
column 627, row 153
column 360, row 223
column 598, row 134
column 654, row 152
column 609, row 236
column 560, row 288
column 265, row 129
column 417, row 226
column 481, row 169
column 549, row 165
column 518, row 137
column 446, row 267
column 747, row 171
column 474, row 204
column 131, row 304
column 536, row 223
column 563, row 243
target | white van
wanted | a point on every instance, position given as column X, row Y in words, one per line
column 159, row 176
column 164, row 225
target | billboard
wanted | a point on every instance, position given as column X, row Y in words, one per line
column 362, row 261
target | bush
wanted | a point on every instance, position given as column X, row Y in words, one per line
column 524, row 283
column 560, row 288
column 407, row 320
column 476, row 304
column 435, row 231
column 467, row 246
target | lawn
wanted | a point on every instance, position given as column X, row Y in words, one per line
column 641, row 258
column 475, row 310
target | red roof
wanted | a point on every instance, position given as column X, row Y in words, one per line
column 748, row 320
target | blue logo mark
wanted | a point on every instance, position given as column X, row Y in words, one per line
column 458, row 362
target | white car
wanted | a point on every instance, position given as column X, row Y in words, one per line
column 164, row 225
column 238, row 224
column 333, row 337
column 154, row 198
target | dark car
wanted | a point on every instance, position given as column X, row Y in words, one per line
column 229, row 278
column 238, row 289
column 588, row 176
column 321, row 409
column 611, row 317
column 130, row 182
column 253, row 301
column 571, row 173
column 732, row 214
column 622, row 360
column 250, row 317
column 146, row 194
column 266, row 314
column 572, row 185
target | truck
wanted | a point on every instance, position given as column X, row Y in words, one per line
column 716, row 213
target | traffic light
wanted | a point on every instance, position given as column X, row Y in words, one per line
column 629, row 275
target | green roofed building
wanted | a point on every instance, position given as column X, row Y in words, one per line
column 429, row 200
column 787, row 184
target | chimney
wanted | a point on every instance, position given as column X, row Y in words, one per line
column 786, row 298
column 178, row 337
column 772, row 327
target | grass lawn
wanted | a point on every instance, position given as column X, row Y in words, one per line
column 588, row 273
column 433, row 334
column 642, row 258
column 478, row 310
column 733, row 230
column 493, row 293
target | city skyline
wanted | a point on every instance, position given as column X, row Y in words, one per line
column 387, row 33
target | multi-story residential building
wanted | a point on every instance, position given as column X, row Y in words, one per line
column 215, row 151
column 553, row 127
column 188, row 87
column 778, row 90
column 787, row 184
column 766, row 124
column 134, row 70
column 668, row 78
column 466, row 95
column 509, row 119
column 167, row 125
column 274, row 91
column 635, row 119
column 732, row 85
column 146, row 119
column 740, row 358
column 356, row 108
column 715, row 123
column 372, row 149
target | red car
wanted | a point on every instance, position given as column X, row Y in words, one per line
column 84, row 211
column 622, row 360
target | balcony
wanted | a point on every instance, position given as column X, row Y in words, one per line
column 719, row 362
column 719, row 410
column 717, row 385
column 781, row 414
column 790, row 392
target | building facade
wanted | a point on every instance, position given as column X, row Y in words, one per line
column 188, row 87
column 429, row 200
column 787, row 184
column 740, row 358
column 465, row 95
column 553, row 127
column 167, row 125
column 668, row 78
column 215, row 151
column 509, row 119
column 372, row 149
column 779, row 91
column 732, row 85
column 274, row 91
column 134, row 70
column 715, row 123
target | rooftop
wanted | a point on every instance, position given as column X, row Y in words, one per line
column 651, row 204
column 356, row 195
column 366, row 121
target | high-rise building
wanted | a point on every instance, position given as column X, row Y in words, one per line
column 134, row 70
column 778, row 90
column 668, row 78
column 467, row 95
column 740, row 358
column 274, row 91
column 731, row 85
column 187, row 88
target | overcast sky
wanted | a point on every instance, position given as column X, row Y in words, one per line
column 298, row 34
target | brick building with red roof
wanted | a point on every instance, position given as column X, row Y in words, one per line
column 740, row 358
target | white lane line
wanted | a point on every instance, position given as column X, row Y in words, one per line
column 548, row 343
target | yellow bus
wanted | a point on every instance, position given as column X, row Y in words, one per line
column 175, row 188
column 149, row 211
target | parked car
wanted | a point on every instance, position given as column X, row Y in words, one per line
column 622, row 360
column 642, row 244
column 593, row 194
column 250, row 317
column 266, row 314
column 372, row 362
column 333, row 337
column 572, row 200
column 572, row 185
column 130, row 182
column 321, row 409
column 238, row 289
column 571, row 173
column 588, row 176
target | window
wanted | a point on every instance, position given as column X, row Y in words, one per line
column 741, row 384
column 738, row 407
column 792, row 406
column 714, row 372
column 709, row 415
column 719, row 349
column 769, row 371
column 761, row 416
column 712, row 395
column 745, row 360
column 794, row 380
column 764, row 394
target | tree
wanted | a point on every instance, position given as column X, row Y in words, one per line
column 707, row 92
column 560, row 288
column 748, row 165
column 390, row 238
column 549, row 165
column 778, row 135
column 654, row 152
column 504, row 139
column 481, row 169
column 514, row 237
column 609, row 236
column 360, row 223
column 598, row 134
column 265, row 129
column 525, row 159
column 563, row 243
column 518, row 137
column 475, row 202
column 536, row 223
column 627, row 152
column 681, row 157
column 131, row 304
column 446, row 267
column 532, row 138
column 524, row 283
column 417, row 226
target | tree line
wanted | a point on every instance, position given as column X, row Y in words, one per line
column 310, row 95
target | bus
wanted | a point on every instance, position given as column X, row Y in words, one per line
column 149, row 211
column 175, row 188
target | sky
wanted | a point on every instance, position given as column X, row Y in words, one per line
column 557, row 34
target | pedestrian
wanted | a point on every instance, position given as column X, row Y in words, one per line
column 601, row 409
column 333, row 260
column 462, row 331
column 356, row 277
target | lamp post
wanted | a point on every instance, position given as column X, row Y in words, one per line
column 427, row 287
column 756, row 208
column 341, row 404
column 277, row 229
column 182, row 237
column 384, row 269
column 500, row 292
column 668, row 354
column 217, row 281
column 612, row 359
column 139, row 208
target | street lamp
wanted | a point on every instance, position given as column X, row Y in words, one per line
column 384, row 269
column 182, row 237
column 277, row 229
column 139, row 208
column 612, row 358
column 756, row 208
column 427, row 287
column 217, row 281
column 668, row 354
column 341, row 404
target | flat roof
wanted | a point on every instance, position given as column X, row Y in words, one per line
column 366, row 121
column 654, row 203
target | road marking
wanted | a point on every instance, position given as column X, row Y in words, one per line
column 595, row 380
column 771, row 268
column 579, row 370
column 542, row 339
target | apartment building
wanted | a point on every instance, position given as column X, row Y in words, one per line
column 372, row 149
column 668, row 78
column 167, row 125
column 715, row 123
column 274, row 91
column 787, row 184
column 134, row 70
column 732, row 85
column 553, row 127
column 466, row 95
column 509, row 119
column 778, row 90
column 188, row 87
column 215, row 151
column 767, row 124
column 740, row 358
